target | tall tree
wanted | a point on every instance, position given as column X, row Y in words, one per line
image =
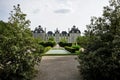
column 17, row 48
column 101, row 60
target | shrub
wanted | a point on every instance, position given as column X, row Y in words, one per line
column 47, row 48
column 76, row 47
column 70, row 49
column 62, row 44
column 82, row 40
column 41, row 49
column 77, row 52
column 49, row 43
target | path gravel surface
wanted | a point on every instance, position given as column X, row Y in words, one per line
column 58, row 68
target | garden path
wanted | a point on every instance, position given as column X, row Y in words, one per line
column 58, row 68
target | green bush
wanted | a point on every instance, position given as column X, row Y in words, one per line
column 41, row 49
column 100, row 64
column 77, row 52
column 76, row 47
column 63, row 44
column 48, row 43
column 73, row 48
column 70, row 49
column 42, row 43
column 47, row 48
column 82, row 40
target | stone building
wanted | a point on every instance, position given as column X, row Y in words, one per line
column 70, row 37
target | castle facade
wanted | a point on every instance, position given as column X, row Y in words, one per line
column 70, row 37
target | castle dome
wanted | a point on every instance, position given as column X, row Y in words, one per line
column 64, row 32
column 74, row 30
column 49, row 32
column 39, row 29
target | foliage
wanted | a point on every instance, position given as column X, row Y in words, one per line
column 47, row 48
column 73, row 48
column 49, row 43
column 101, row 60
column 52, row 43
column 51, row 39
column 82, row 40
column 63, row 44
column 70, row 49
column 40, row 48
column 63, row 40
column 17, row 48
column 77, row 52
column 76, row 47
column 38, row 40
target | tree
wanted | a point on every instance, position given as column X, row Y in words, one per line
column 101, row 60
column 51, row 39
column 63, row 40
column 82, row 41
column 18, row 51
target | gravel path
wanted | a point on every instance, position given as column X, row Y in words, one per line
column 58, row 68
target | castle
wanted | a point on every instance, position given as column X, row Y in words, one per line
column 70, row 37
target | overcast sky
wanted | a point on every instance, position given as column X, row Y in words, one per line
column 52, row 14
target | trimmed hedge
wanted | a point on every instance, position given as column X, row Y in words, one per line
column 70, row 49
column 62, row 44
column 49, row 43
column 76, row 47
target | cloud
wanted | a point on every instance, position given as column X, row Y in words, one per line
column 62, row 11
column 61, row 1
column 36, row 11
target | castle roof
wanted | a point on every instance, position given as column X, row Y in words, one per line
column 50, row 32
column 57, row 31
column 64, row 32
column 39, row 29
column 74, row 30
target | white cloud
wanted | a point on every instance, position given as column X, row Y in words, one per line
column 36, row 11
column 62, row 11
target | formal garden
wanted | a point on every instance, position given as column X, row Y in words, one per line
column 98, row 50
